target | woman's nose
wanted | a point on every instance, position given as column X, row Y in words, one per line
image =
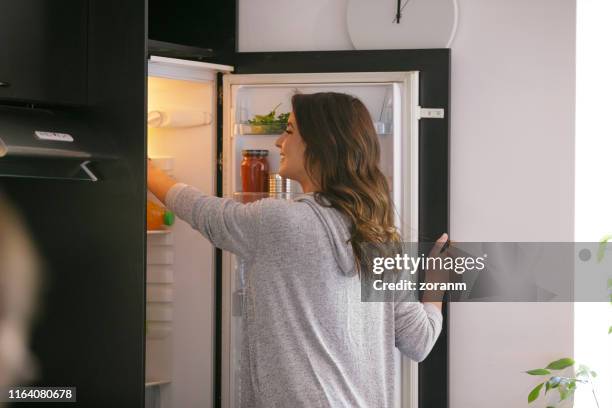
column 279, row 142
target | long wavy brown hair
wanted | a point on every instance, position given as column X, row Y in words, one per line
column 342, row 154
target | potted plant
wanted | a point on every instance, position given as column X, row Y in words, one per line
column 551, row 374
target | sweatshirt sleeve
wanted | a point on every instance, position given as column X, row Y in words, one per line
column 226, row 223
column 417, row 327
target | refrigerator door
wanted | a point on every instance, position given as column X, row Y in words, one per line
column 392, row 99
column 181, row 317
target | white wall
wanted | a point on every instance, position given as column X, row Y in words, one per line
column 512, row 176
column 512, row 163
column 592, row 343
column 292, row 25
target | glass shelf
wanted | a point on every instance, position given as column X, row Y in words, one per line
column 244, row 129
column 262, row 130
column 251, row 197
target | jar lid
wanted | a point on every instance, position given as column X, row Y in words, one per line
column 255, row 152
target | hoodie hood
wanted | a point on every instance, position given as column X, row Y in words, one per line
column 337, row 226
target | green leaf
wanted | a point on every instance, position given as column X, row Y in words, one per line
column 568, row 392
column 274, row 110
column 602, row 247
column 593, row 374
column 534, row 393
column 561, row 364
column 563, row 393
column 609, row 329
column 609, row 282
column 538, row 371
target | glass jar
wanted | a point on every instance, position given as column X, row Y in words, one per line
column 254, row 171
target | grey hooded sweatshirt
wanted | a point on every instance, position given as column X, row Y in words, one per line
column 309, row 340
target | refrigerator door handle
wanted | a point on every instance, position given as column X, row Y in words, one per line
column 430, row 113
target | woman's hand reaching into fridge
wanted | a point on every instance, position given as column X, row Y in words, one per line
column 158, row 182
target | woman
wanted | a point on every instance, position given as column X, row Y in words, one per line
column 309, row 340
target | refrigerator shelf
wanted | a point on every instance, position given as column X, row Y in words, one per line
column 157, row 383
column 263, row 130
column 250, row 197
column 158, row 232
column 244, row 129
column 383, row 128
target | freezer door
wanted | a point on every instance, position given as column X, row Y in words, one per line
column 392, row 99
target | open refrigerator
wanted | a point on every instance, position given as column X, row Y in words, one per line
column 199, row 114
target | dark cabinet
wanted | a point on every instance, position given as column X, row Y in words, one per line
column 90, row 328
column 43, row 51
column 205, row 24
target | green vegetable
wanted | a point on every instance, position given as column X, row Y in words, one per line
column 271, row 118
column 283, row 117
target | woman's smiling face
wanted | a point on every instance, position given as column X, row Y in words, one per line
column 292, row 149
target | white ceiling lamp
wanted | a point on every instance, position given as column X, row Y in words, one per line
column 422, row 23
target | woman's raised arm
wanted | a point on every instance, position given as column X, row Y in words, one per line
column 227, row 224
column 158, row 182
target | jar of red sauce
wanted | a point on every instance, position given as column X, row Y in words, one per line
column 254, row 171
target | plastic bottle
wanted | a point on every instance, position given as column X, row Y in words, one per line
column 158, row 217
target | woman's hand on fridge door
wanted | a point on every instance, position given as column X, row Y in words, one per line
column 437, row 276
column 158, row 182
